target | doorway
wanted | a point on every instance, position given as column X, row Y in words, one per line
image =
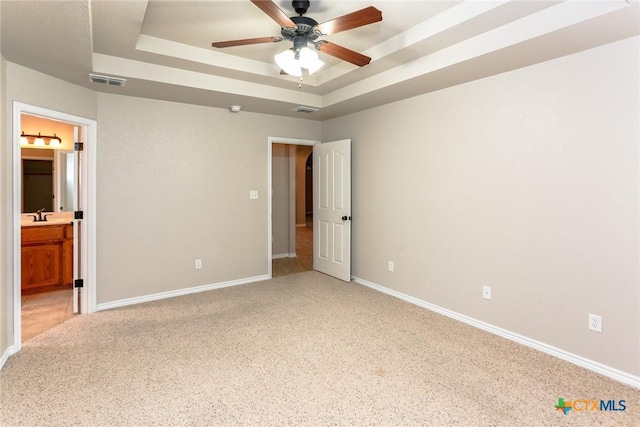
column 290, row 247
column 47, row 256
column 292, row 222
column 83, row 249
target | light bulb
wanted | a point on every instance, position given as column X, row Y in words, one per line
column 315, row 66
column 309, row 60
column 288, row 63
column 307, row 57
column 55, row 141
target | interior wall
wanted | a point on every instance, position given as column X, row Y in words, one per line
column 30, row 87
column 280, row 205
column 184, row 173
column 302, row 152
column 6, row 301
column 527, row 182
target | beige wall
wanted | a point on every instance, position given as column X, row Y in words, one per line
column 173, row 185
column 34, row 88
column 527, row 182
column 280, row 205
column 6, row 290
column 30, row 87
column 302, row 152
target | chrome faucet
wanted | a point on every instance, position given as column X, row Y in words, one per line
column 39, row 217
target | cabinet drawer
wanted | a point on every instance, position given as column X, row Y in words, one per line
column 42, row 233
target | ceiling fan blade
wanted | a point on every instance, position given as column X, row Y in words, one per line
column 365, row 16
column 242, row 42
column 343, row 53
column 275, row 13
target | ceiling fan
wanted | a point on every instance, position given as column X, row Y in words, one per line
column 304, row 31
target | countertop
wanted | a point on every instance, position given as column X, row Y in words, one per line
column 53, row 218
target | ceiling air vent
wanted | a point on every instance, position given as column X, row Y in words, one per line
column 303, row 109
column 108, row 80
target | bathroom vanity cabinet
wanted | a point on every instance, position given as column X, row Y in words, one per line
column 47, row 257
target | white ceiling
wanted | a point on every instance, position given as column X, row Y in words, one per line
column 163, row 47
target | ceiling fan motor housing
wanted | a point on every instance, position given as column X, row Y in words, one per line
column 302, row 33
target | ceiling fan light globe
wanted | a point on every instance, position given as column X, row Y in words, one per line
column 308, row 57
column 315, row 66
column 288, row 63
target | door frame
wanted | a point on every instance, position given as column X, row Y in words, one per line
column 270, row 141
column 87, row 194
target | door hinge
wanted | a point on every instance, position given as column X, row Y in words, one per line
column 78, row 146
column 78, row 283
column 78, row 215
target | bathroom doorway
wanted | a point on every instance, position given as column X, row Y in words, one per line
column 49, row 192
column 48, row 303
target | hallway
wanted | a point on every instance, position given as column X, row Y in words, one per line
column 304, row 252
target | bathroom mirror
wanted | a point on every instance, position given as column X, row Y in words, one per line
column 47, row 171
column 47, row 180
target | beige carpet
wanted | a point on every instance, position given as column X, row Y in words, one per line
column 302, row 349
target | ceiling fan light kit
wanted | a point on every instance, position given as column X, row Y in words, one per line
column 304, row 31
column 292, row 62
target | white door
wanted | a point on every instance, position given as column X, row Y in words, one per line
column 73, row 183
column 332, row 208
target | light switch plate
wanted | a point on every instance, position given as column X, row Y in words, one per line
column 253, row 194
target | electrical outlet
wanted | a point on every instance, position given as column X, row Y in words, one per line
column 486, row 292
column 391, row 266
column 595, row 322
column 198, row 264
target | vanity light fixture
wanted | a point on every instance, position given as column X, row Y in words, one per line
column 40, row 140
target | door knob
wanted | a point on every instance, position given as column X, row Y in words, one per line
column 344, row 218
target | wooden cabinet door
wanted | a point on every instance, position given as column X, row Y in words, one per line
column 41, row 265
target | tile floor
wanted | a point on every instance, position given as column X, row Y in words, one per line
column 41, row 312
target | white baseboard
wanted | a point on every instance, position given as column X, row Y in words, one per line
column 280, row 256
column 179, row 292
column 591, row 365
column 5, row 356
